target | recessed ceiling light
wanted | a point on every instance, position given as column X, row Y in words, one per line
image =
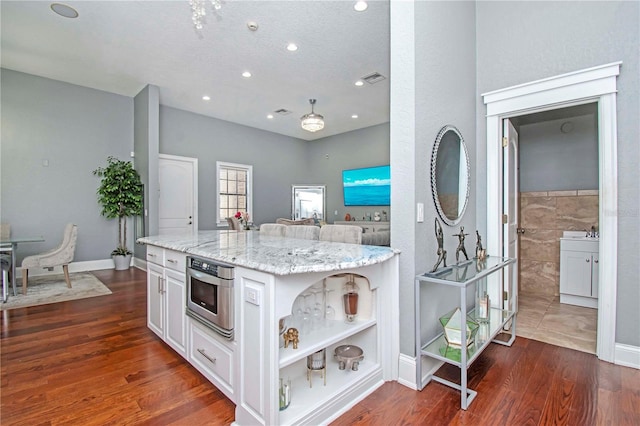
column 292, row 47
column 360, row 6
column 359, row 83
column 206, row 98
column 64, row 10
column 270, row 116
column 354, row 116
column 246, row 74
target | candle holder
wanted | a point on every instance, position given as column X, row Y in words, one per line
column 317, row 361
column 350, row 299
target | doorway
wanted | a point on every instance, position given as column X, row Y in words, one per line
column 558, row 194
column 593, row 85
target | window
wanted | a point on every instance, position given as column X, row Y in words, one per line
column 234, row 185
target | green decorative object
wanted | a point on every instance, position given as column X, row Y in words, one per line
column 452, row 332
column 120, row 195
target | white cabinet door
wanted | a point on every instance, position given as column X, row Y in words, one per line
column 155, row 299
column 175, row 297
column 595, row 266
column 575, row 273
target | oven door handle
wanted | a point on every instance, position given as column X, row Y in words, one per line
column 208, row 278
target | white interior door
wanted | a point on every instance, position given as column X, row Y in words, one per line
column 177, row 209
column 511, row 189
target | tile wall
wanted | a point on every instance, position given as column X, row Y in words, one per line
column 544, row 216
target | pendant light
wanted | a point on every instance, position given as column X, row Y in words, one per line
column 312, row 122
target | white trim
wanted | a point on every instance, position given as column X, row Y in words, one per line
column 221, row 222
column 84, row 266
column 140, row 263
column 628, row 356
column 597, row 84
column 407, row 371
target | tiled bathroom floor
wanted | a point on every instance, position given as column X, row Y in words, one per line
column 544, row 318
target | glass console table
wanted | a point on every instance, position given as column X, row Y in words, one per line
column 462, row 276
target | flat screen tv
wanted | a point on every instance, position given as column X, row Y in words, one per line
column 369, row 186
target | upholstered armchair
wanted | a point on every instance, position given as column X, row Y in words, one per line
column 59, row 256
column 272, row 229
column 234, row 224
column 305, row 232
column 307, row 221
column 341, row 234
column 5, row 260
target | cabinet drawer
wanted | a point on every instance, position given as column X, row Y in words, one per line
column 175, row 260
column 155, row 255
column 211, row 357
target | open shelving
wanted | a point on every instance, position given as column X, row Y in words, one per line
column 462, row 276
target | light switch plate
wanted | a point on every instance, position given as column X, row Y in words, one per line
column 420, row 212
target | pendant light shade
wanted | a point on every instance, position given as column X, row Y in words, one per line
column 312, row 122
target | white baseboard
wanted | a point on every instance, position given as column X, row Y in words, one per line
column 627, row 355
column 88, row 265
column 407, row 371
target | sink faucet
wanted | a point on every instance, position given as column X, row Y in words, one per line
column 592, row 233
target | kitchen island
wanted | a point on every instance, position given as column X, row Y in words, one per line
column 275, row 279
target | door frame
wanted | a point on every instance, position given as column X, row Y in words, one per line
column 597, row 84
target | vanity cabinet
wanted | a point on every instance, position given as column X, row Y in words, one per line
column 463, row 276
column 166, row 296
column 579, row 264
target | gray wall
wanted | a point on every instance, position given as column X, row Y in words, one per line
column 278, row 161
column 523, row 41
column 444, row 54
column 146, row 142
column 75, row 129
column 551, row 160
column 327, row 158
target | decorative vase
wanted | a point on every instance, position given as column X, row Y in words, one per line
column 122, row 262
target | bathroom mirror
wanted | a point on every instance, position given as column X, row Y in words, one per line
column 307, row 201
column 450, row 175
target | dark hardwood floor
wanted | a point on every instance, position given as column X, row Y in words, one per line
column 93, row 361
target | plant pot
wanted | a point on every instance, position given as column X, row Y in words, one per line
column 122, row 262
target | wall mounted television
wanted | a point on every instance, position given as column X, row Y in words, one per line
column 369, row 186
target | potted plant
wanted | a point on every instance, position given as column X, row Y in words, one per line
column 120, row 194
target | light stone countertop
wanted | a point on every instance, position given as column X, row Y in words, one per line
column 275, row 255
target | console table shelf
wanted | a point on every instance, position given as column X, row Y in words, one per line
column 462, row 276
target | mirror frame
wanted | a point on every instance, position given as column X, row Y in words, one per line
column 300, row 188
column 434, row 183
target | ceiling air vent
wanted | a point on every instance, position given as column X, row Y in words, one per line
column 373, row 78
column 282, row 111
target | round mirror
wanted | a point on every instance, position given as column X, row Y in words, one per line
column 450, row 175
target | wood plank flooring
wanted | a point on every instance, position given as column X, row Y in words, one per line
column 94, row 362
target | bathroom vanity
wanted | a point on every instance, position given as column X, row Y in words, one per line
column 579, row 269
column 272, row 275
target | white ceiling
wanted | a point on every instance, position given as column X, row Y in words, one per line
column 121, row 46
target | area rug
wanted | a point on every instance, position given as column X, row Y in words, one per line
column 53, row 289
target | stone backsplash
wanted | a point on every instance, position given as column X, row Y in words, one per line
column 544, row 216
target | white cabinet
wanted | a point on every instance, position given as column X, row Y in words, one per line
column 212, row 356
column 579, row 265
column 265, row 299
column 166, row 296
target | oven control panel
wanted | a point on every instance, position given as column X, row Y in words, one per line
column 210, row 267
